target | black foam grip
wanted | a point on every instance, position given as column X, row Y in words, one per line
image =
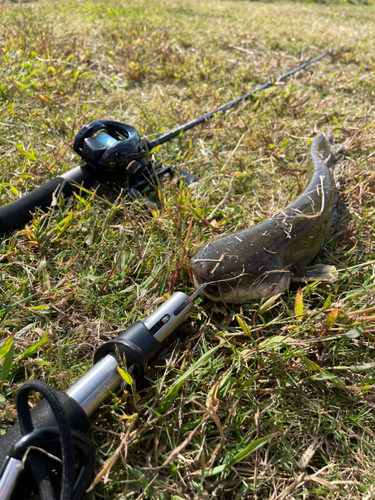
column 19, row 212
column 41, row 416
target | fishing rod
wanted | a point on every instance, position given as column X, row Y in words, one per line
column 64, row 416
column 114, row 152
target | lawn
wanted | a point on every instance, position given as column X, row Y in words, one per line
column 297, row 372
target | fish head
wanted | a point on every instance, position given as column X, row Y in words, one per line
column 235, row 272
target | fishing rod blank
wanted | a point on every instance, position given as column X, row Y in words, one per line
column 224, row 107
column 221, row 109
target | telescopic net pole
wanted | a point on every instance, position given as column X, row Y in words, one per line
column 183, row 128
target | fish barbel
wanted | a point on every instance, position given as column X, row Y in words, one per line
column 260, row 262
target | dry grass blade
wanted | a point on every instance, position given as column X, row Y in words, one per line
column 174, row 454
column 301, row 479
column 106, row 469
column 257, row 458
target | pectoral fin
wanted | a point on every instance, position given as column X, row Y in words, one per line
column 317, row 272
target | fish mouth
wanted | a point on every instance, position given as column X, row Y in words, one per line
column 229, row 291
column 211, row 291
column 226, row 291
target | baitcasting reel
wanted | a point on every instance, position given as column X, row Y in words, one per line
column 114, row 151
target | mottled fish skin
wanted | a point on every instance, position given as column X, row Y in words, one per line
column 259, row 262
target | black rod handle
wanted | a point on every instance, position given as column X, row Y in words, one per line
column 19, row 212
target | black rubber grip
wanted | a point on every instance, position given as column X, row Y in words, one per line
column 138, row 346
column 42, row 416
column 19, row 212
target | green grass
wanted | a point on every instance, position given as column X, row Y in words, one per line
column 76, row 276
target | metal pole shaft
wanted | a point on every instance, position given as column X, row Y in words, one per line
column 9, row 478
column 103, row 378
column 96, row 385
